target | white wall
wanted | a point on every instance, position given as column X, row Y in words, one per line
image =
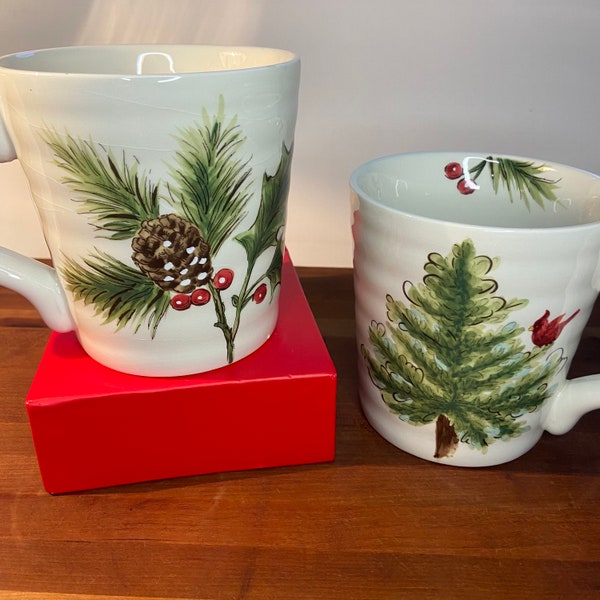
column 379, row 77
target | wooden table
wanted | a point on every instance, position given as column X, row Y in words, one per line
column 375, row 524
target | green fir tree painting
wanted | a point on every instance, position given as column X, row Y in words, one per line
column 451, row 354
column 176, row 227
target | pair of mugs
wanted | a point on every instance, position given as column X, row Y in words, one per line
column 160, row 175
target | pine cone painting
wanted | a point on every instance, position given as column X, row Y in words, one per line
column 172, row 253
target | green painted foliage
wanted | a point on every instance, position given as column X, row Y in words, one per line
column 449, row 348
column 209, row 186
column 210, row 180
column 267, row 230
column 114, row 192
column 522, row 178
column 119, row 293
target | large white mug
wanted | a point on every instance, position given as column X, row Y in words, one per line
column 160, row 175
column 475, row 275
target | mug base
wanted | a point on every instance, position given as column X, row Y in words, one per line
column 179, row 356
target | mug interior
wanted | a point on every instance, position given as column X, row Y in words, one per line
column 132, row 60
column 481, row 189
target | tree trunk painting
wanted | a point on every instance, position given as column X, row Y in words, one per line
column 446, row 440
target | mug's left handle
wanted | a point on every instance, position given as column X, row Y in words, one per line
column 30, row 278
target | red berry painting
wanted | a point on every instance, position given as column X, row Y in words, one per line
column 223, row 279
column 453, row 170
column 181, row 301
column 176, row 227
column 519, row 177
column 451, row 353
column 260, row 294
column 465, row 186
column 200, row 297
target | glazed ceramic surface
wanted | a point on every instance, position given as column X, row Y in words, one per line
column 474, row 277
column 160, row 174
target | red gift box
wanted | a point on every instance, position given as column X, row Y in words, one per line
column 94, row 427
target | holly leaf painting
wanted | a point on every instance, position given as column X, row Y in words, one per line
column 273, row 273
column 270, row 219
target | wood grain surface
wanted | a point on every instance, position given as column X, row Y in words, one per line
column 374, row 524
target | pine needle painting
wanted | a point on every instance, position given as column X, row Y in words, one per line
column 451, row 353
column 174, row 251
column 518, row 176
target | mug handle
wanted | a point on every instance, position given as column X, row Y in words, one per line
column 30, row 278
column 576, row 398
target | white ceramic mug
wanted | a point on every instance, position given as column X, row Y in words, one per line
column 160, row 174
column 475, row 275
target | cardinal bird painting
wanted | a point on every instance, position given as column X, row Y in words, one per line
column 544, row 332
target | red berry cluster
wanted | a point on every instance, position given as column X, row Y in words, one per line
column 201, row 296
column 453, row 171
column 198, row 297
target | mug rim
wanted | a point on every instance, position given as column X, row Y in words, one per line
column 287, row 57
column 365, row 167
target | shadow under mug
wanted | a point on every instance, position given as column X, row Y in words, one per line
column 475, row 275
column 160, row 175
